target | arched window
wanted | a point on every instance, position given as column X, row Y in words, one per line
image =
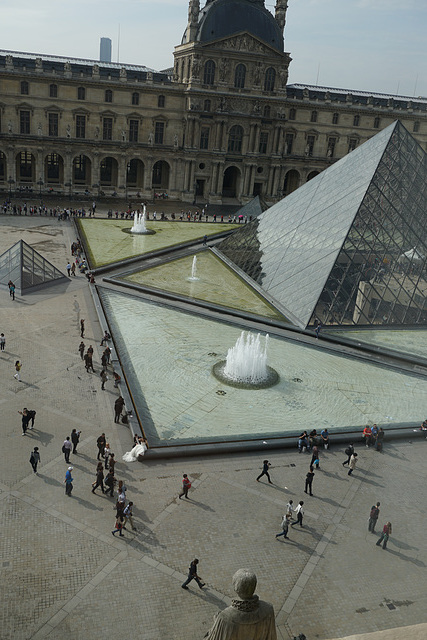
column 135, row 98
column 209, row 72
column 81, row 93
column 267, row 111
column 313, row 117
column 207, row 105
column 270, row 79
column 292, row 114
column 53, row 90
column 240, row 76
column 161, row 101
column 235, row 138
column 24, row 88
column 335, row 118
column 108, row 95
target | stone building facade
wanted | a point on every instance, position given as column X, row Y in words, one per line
column 223, row 125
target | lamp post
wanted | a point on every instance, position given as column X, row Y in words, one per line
column 11, row 181
column 40, row 183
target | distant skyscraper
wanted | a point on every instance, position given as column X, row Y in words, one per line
column 105, row 50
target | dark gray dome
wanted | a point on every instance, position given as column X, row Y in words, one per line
column 222, row 18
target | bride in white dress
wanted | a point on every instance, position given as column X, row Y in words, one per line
column 138, row 450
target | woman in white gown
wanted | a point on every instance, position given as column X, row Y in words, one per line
column 138, row 450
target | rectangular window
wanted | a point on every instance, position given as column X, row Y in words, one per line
column 159, row 132
column 24, row 122
column 80, row 126
column 352, row 144
column 289, row 142
column 133, row 130
column 204, row 138
column 331, row 147
column 263, row 141
column 309, row 146
column 107, row 128
column 53, row 124
column 53, row 90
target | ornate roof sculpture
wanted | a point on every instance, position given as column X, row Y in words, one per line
column 348, row 247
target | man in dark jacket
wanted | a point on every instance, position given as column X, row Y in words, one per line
column 192, row 575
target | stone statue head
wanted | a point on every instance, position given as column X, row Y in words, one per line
column 244, row 583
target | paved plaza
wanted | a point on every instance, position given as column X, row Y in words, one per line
column 64, row 576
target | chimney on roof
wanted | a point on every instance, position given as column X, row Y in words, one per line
column 105, row 50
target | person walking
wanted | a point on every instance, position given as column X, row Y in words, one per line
column 315, row 457
column 68, row 482
column 35, row 459
column 66, row 448
column 352, row 465
column 82, row 328
column 119, row 526
column 99, row 479
column 112, row 462
column 69, row 269
column 12, row 291
column 192, row 575
column 128, row 514
column 186, row 485
column 109, row 483
column 348, row 452
column 118, row 408
column 25, row 420
column 75, row 437
column 100, row 443
column 300, row 514
column 31, row 415
column 107, row 452
column 285, row 526
column 104, row 379
column 2, row 342
column 373, row 517
column 309, row 481
column 82, row 349
column 73, row 269
column 18, row 367
column 385, row 535
column 265, row 467
column 290, row 509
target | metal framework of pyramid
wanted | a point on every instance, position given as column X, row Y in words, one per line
column 26, row 268
column 348, row 247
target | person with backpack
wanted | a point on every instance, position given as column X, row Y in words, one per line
column 385, row 535
column 186, row 485
column 348, row 452
column 373, row 517
column 35, row 459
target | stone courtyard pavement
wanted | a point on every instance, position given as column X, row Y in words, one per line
column 65, row 577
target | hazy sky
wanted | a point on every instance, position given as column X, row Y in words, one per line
column 372, row 45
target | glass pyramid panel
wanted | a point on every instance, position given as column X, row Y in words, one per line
column 349, row 246
column 26, row 267
column 212, row 282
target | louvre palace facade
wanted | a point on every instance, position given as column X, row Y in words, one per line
column 223, row 125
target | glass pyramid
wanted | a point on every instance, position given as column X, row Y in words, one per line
column 26, row 268
column 349, row 247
